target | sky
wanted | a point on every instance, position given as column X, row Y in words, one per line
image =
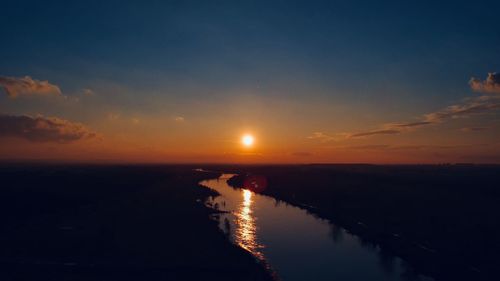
column 312, row 81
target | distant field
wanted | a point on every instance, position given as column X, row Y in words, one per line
column 445, row 220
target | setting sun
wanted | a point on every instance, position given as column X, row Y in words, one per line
column 247, row 140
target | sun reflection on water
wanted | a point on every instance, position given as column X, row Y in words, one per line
column 245, row 226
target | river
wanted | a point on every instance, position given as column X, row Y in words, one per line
column 295, row 244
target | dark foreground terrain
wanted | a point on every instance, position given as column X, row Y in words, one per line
column 113, row 223
column 443, row 220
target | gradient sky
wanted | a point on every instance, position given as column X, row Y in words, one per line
column 314, row 81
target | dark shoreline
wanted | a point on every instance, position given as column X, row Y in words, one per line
column 85, row 222
column 425, row 259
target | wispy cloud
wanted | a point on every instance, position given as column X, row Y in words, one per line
column 386, row 147
column 18, row 86
column 323, row 137
column 474, row 129
column 409, row 124
column 481, row 105
column 179, row 119
column 475, row 106
column 367, row 147
column 43, row 129
column 490, row 86
column 112, row 116
column 88, row 92
column 373, row 133
column 469, row 107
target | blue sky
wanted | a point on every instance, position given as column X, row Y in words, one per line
column 342, row 44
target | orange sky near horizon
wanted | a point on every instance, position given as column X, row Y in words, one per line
column 149, row 139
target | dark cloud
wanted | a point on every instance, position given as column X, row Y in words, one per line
column 491, row 85
column 373, row 133
column 43, row 129
column 17, row 86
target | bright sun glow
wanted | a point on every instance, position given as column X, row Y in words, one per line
column 247, row 140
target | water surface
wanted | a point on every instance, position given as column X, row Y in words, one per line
column 297, row 245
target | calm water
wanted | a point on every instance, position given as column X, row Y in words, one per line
column 295, row 244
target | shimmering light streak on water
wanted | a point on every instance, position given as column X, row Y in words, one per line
column 245, row 226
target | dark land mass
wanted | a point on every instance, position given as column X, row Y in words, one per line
column 444, row 220
column 113, row 223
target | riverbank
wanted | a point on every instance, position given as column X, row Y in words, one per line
column 113, row 223
column 443, row 220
